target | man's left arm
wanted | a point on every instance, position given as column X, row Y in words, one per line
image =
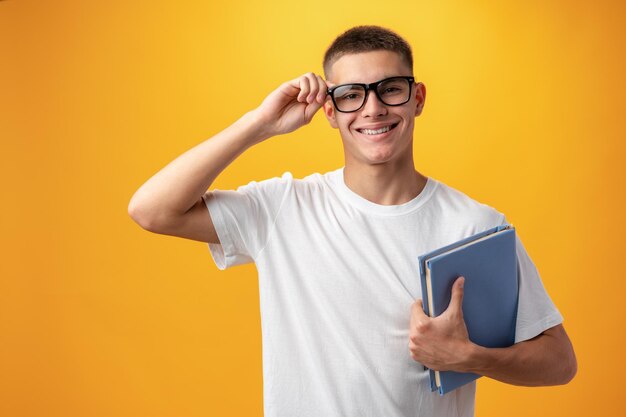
column 442, row 343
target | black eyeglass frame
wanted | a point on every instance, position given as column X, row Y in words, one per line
column 372, row 86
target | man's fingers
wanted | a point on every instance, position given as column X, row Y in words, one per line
column 314, row 87
column 317, row 90
column 309, row 87
column 456, row 301
column 321, row 94
column 304, row 89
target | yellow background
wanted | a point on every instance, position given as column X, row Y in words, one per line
column 524, row 112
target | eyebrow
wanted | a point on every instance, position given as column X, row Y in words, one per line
column 384, row 78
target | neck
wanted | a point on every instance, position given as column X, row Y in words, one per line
column 392, row 183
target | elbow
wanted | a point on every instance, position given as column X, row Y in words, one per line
column 571, row 368
column 563, row 356
column 139, row 216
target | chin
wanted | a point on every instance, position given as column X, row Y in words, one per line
column 376, row 158
column 372, row 153
column 381, row 151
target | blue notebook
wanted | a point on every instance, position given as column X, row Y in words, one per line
column 488, row 261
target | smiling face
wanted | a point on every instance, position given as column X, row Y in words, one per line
column 376, row 133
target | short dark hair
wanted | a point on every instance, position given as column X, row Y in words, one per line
column 367, row 38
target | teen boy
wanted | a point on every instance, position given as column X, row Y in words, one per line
column 344, row 333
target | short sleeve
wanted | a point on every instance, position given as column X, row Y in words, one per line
column 244, row 218
column 535, row 310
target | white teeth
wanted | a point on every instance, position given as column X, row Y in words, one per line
column 376, row 132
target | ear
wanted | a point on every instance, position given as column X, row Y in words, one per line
column 329, row 111
column 420, row 98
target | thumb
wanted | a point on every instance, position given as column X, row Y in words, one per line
column 418, row 308
column 456, row 301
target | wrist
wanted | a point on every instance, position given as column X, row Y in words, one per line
column 250, row 129
column 257, row 125
column 476, row 359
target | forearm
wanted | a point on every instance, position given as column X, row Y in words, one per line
column 544, row 360
column 177, row 187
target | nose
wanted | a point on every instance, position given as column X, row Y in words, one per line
column 373, row 106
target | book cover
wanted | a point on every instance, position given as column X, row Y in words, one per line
column 488, row 261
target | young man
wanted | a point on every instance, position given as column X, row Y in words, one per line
column 344, row 333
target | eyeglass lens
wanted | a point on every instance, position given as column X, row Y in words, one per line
column 392, row 92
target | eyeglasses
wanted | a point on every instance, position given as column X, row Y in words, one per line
column 394, row 91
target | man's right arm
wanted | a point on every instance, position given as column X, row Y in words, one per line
column 171, row 201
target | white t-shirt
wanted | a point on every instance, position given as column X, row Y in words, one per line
column 337, row 277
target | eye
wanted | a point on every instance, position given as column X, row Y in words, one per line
column 349, row 96
column 348, row 92
column 391, row 90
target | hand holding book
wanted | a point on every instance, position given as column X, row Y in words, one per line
column 441, row 343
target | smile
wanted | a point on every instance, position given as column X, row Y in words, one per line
column 384, row 129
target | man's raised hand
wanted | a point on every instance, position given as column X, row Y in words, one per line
column 292, row 105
